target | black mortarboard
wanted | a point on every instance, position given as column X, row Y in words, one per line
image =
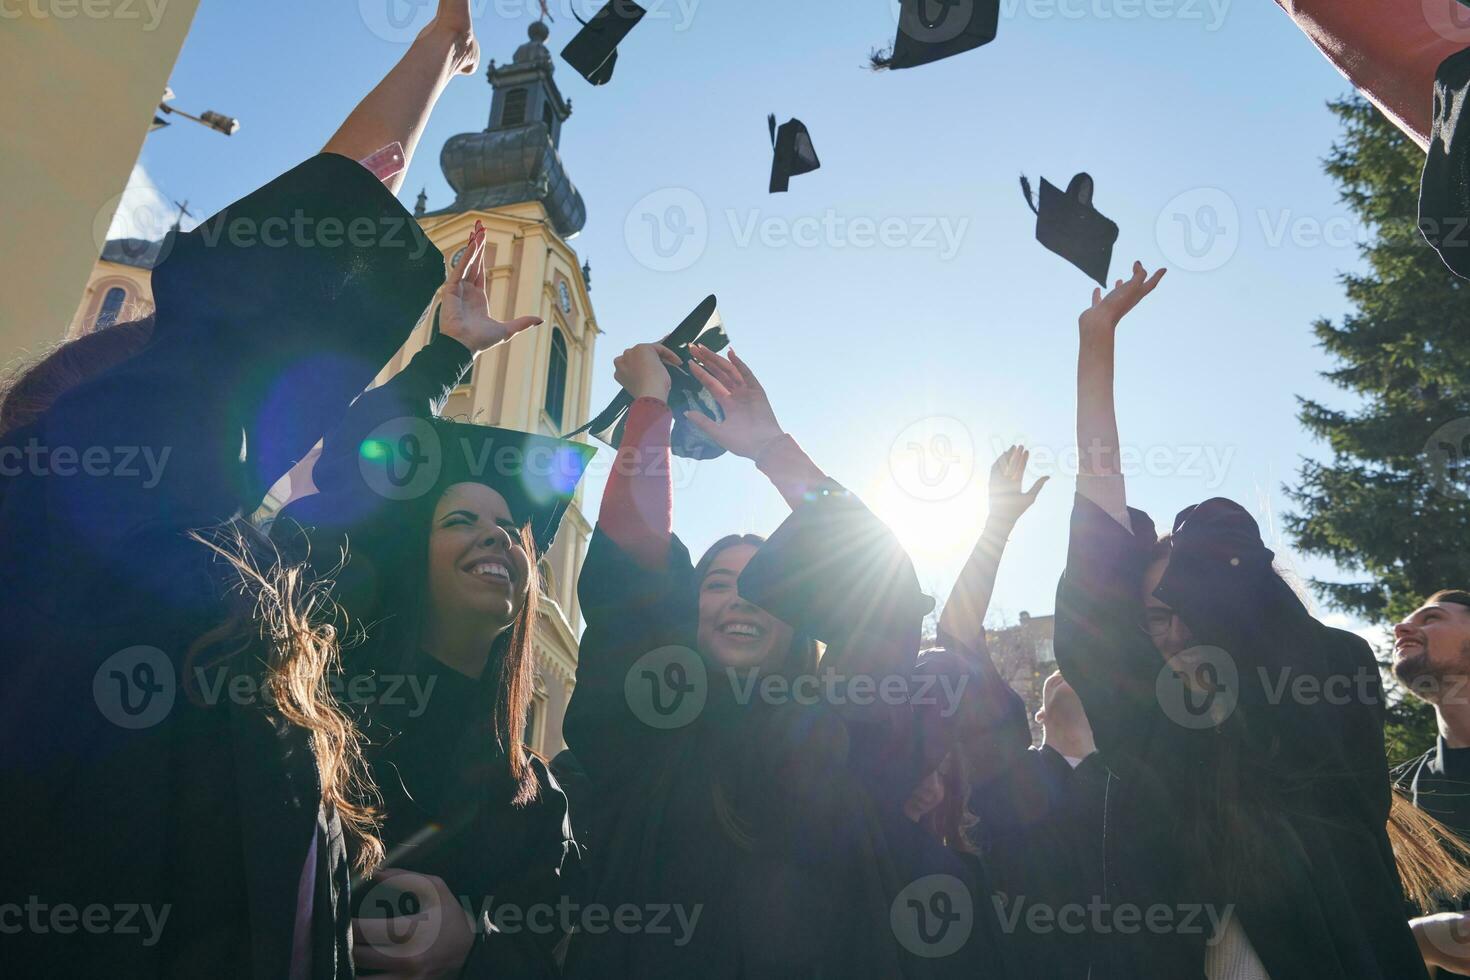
column 930, row 30
column 415, row 459
column 795, row 154
column 1068, row 224
column 594, row 51
column 686, row 394
column 833, row 567
column 1444, row 194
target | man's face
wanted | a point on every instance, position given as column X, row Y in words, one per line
column 1431, row 651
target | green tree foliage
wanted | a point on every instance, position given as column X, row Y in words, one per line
column 1393, row 501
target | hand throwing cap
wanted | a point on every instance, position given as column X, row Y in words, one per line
column 686, row 394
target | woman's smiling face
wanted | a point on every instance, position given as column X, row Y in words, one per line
column 732, row 632
column 478, row 568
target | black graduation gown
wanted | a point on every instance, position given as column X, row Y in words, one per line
column 122, row 794
column 434, row 757
column 806, row 891
column 1438, row 782
column 431, row 744
column 1327, row 900
column 1040, row 830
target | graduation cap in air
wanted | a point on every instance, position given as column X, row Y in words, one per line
column 795, row 154
column 1444, row 194
column 686, row 393
column 594, row 51
column 1068, row 224
column 931, row 30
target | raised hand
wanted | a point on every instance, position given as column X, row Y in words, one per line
column 750, row 425
column 1007, row 501
column 452, row 21
column 465, row 313
column 1107, row 311
column 643, row 370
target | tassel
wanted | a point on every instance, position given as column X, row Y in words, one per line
column 1026, row 189
column 771, row 121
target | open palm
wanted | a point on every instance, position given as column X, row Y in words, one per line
column 1107, row 311
column 465, row 311
column 1007, row 500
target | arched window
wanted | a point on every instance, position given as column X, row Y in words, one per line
column 112, row 305
column 556, row 378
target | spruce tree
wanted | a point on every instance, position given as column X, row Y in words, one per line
column 1392, row 504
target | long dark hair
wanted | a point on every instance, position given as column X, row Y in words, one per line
column 800, row 659
column 30, row 389
column 803, row 656
column 281, row 615
column 1237, row 809
column 390, row 619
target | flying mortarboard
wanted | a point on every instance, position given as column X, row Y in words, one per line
column 1444, row 194
column 931, row 30
column 686, row 394
column 594, row 51
column 795, row 154
column 1068, row 224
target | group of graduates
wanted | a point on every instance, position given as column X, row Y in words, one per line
column 296, row 752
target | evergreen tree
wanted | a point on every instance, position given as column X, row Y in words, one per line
column 1393, row 502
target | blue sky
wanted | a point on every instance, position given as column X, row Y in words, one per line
column 895, row 303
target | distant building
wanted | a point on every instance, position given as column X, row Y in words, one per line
column 511, row 178
column 1025, row 658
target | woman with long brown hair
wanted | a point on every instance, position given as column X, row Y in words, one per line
column 442, row 524
column 179, row 781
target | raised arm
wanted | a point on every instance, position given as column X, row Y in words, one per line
column 750, row 428
column 397, row 110
column 1100, row 476
column 962, row 622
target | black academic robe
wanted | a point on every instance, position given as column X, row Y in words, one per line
column 1322, row 898
column 1438, row 782
column 160, row 814
column 446, row 784
column 1040, row 830
column 748, row 838
column 447, row 792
